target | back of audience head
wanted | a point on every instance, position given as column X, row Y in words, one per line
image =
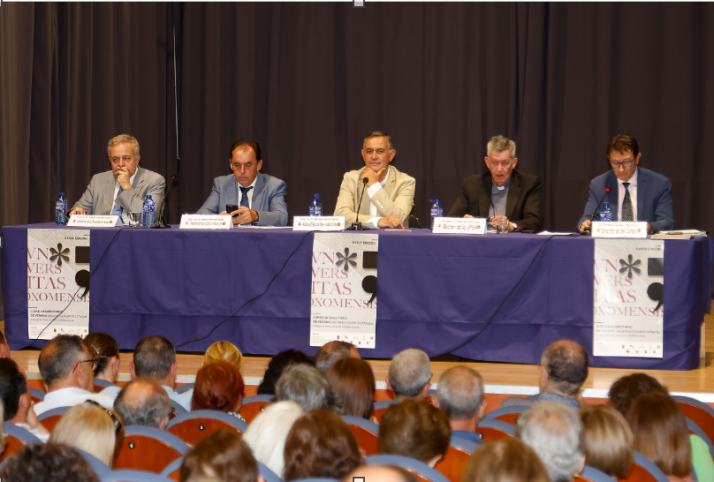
column 222, row 456
column 155, row 358
column 61, row 363
column 143, row 402
column 505, row 460
column 380, row 473
column 13, row 390
column 626, row 389
column 410, row 374
column 352, row 381
column 224, row 350
column 267, row 432
column 91, row 428
column 460, row 394
column 554, row 431
column 47, row 463
column 105, row 350
column 332, row 351
column 564, row 367
column 660, row 433
column 320, row 444
column 304, row 385
column 607, row 440
column 415, row 429
column 4, row 347
column 277, row 365
column 219, row 386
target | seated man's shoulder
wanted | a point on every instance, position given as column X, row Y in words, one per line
column 653, row 175
column 527, row 177
column 403, row 176
column 519, row 401
column 272, row 180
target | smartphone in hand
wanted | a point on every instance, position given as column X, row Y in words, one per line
column 231, row 207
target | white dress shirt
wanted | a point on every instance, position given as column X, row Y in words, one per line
column 632, row 188
column 71, row 396
column 372, row 191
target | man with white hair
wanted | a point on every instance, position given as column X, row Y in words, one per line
column 460, row 394
column 410, row 375
column 554, row 431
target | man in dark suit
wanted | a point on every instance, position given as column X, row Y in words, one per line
column 260, row 198
column 503, row 192
column 636, row 193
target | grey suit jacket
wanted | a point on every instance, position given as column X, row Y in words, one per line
column 268, row 199
column 98, row 198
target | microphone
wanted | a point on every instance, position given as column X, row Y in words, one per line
column 592, row 216
column 160, row 224
column 357, row 226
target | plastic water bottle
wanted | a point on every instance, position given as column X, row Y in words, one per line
column 148, row 215
column 436, row 211
column 61, row 210
column 605, row 212
column 316, row 207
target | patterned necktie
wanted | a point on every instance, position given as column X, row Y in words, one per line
column 627, row 205
column 117, row 210
column 244, row 196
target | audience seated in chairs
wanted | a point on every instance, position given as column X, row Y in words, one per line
column 332, row 351
column 460, row 394
column 506, row 460
column 143, row 402
column 320, row 445
column 277, row 365
column 607, row 440
column 554, row 431
column 16, row 398
column 352, row 383
column 91, row 428
column 410, row 375
column 267, row 433
column 105, row 350
column 415, row 429
column 660, row 434
column 219, row 386
column 226, row 351
column 47, row 463
column 380, row 473
column 306, row 386
column 223, row 456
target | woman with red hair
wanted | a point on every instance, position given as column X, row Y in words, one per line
column 219, row 386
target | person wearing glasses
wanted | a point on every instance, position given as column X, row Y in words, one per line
column 503, row 194
column 636, row 193
column 68, row 372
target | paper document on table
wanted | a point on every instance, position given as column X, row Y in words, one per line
column 548, row 233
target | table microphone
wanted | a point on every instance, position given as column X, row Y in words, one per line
column 586, row 232
column 357, row 226
column 160, row 224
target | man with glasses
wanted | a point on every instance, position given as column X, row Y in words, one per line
column 68, row 372
column 636, row 193
column 503, row 193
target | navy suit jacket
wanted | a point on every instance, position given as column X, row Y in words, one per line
column 654, row 198
column 268, row 199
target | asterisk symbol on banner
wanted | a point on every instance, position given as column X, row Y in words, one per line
column 346, row 259
column 629, row 266
column 58, row 254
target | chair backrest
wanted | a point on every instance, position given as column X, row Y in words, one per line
column 366, row 432
column 37, row 395
column 454, row 460
column 645, row 470
column 492, row 430
column 381, row 407
column 99, row 467
column 506, row 414
column 50, row 418
column 696, row 430
column 193, row 426
column 252, row 406
column 185, row 387
column 127, row 475
column 17, row 437
column 698, row 412
column 591, row 474
column 417, row 468
column 173, row 470
column 268, row 474
column 149, row 449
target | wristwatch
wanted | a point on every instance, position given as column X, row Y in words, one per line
column 513, row 226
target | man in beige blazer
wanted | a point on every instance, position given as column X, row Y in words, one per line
column 388, row 193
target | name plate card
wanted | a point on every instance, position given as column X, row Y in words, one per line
column 460, row 225
column 318, row 223
column 619, row 229
column 206, row 221
column 93, row 220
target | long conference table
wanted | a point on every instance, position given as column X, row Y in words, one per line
column 435, row 292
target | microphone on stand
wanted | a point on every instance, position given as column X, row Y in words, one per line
column 357, row 226
column 586, row 231
column 160, row 224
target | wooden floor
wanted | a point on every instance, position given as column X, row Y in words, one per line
column 500, row 378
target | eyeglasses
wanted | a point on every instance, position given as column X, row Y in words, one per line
column 115, row 420
column 505, row 163
column 93, row 362
column 617, row 164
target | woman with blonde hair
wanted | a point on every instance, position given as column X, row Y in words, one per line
column 89, row 427
column 505, row 460
column 226, row 351
column 607, row 440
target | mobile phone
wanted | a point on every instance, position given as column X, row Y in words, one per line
column 231, row 207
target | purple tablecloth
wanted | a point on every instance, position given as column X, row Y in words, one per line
column 435, row 292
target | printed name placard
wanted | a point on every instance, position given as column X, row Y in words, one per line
column 93, row 220
column 206, row 221
column 318, row 223
column 460, row 225
column 618, row 229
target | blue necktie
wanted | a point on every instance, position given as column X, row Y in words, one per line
column 117, row 210
column 244, row 196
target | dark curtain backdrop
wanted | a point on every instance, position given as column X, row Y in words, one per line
column 309, row 80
